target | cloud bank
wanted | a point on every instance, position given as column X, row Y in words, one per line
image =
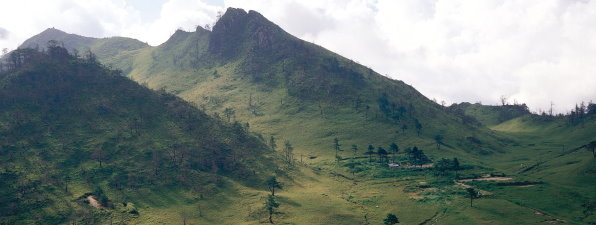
column 534, row 51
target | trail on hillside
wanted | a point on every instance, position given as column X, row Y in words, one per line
column 93, row 202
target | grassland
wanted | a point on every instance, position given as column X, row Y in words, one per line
column 282, row 92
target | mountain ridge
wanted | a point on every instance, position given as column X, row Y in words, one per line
column 103, row 47
column 253, row 51
column 330, row 110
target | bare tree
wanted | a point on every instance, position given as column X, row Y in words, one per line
column 551, row 108
column 99, row 155
column 229, row 113
column 503, row 100
column 288, row 150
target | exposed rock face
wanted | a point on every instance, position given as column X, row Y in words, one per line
column 238, row 31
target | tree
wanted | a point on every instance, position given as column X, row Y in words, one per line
column 473, row 194
column 418, row 126
column 591, row 108
column 99, row 155
column 370, row 152
column 394, row 149
column 67, row 179
column 288, row 149
column 404, row 128
column 382, row 153
column 503, row 100
column 455, row 165
column 390, row 219
column 75, row 53
column 56, row 51
column 271, row 205
column 417, row 156
column 354, row 150
column 184, row 215
column 442, row 165
column 336, row 146
column 90, row 56
column 439, row 141
column 229, row 112
column 272, row 143
column 591, row 147
column 272, row 184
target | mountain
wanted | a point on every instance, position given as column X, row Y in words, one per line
column 70, row 128
column 283, row 86
column 102, row 47
column 332, row 110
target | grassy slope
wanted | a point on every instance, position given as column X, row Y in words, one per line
column 57, row 112
column 490, row 115
column 552, row 148
column 185, row 65
column 300, row 121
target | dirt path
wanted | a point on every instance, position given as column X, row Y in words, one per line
column 486, row 179
column 93, row 202
column 462, row 184
column 429, row 165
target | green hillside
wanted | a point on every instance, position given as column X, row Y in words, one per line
column 528, row 169
column 102, row 47
column 70, row 128
column 489, row 115
column 295, row 90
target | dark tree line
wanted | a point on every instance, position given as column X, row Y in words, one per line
column 443, row 165
column 580, row 112
column 22, row 56
column 79, row 121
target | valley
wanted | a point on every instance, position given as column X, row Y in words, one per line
column 189, row 131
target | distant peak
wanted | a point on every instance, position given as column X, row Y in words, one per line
column 235, row 12
column 53, row 31
column 231, row 17
column 234, row 17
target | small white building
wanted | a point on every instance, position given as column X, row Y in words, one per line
column 393, row 165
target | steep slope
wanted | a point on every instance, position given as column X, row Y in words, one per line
column 297, row 91
column 70, row 126
column 249, row 70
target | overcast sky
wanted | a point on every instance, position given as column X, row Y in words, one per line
column 533, row 51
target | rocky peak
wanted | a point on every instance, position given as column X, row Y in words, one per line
column 237, row 27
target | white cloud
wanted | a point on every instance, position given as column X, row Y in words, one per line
column 100, row 18
column 185, row 14
column 535, row 51
column 96, row 18
column 531, row 51
column 3, row 33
